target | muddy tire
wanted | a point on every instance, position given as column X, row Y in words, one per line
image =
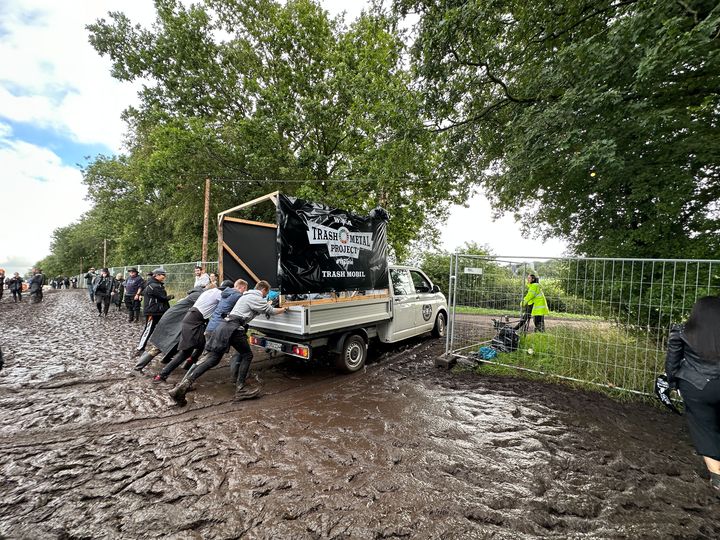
column 353, row 354
column 440, row 328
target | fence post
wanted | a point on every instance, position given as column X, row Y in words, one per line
column 454, row 296
column 451, row 311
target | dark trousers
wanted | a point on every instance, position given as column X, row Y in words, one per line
column 102, row 301
column 17, row 296
column 239, row 364
column 151, row 322
column 180, row 357
column 131, row 304
column 702, row 411
column 538, row 320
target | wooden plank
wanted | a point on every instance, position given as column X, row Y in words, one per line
column 270, row 196
column 240, row 262
column 248, row 222
column 337, row 300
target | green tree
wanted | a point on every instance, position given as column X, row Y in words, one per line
column 436, row 264
column 261, row 95
column 593, row 121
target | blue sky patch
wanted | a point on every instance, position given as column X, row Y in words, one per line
column 71, row 153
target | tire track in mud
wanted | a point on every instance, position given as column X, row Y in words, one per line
column 282, row 397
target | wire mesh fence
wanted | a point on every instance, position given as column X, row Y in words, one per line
column 609, row 318
column 179, row 279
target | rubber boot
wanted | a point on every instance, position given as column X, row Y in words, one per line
column 143, row 361
column 131, row 316
column 715, row 482
column 178, row 393
column 246, row 390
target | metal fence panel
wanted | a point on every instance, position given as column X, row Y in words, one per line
column 180, row 276
column 609, row 318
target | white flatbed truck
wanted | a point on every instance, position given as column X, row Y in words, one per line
column 411, row 306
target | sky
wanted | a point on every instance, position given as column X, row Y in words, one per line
column 59, row 106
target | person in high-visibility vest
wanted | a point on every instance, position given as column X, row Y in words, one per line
column 534, row 304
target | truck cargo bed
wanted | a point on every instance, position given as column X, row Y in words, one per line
column 316, row 319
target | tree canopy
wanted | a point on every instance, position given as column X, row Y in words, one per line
column 257, row 96
column 595, row 121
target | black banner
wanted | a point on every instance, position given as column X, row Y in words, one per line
column 323, row 249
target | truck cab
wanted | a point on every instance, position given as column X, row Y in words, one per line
column 418, row 306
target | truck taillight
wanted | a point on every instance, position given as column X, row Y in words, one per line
column 254, row 340
column 301, row 351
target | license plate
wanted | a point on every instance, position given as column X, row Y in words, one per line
column 274, row 346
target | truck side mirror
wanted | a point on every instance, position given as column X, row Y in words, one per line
column 435, row 289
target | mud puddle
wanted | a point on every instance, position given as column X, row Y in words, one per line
column 401, row 450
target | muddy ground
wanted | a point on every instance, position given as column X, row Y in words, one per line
column 89, row 449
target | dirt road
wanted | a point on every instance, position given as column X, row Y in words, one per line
column 401, row 450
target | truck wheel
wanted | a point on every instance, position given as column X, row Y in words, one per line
column 353, row 354
column 440, row 328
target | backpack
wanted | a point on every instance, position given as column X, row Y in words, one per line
column 506, row 340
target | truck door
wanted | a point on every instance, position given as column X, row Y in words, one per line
column 404, row 298
column 425, row 303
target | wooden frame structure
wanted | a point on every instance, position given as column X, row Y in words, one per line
column 223, row 216
column 223, row 247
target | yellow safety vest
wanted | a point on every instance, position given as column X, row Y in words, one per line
column 536, row 298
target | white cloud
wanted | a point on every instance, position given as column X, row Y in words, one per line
column 39, row 194
column 475, row 224
column 51, row 77
column 5, row 130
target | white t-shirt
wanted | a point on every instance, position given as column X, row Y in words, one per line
column 202, row 280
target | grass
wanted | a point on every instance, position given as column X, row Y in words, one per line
column 606, row 356
column 553, row 315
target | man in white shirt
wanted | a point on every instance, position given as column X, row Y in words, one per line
column 201, row 278
column 232, row 332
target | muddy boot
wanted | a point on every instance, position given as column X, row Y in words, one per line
column 715, row 482
column 143, row 361
column 131, row 316
column 248, row 389
column 178, row 393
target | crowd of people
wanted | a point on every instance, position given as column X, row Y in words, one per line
column 63, row 282
column 15, row 285
column 193, row 333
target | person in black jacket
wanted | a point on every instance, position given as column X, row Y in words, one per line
column 692, row 366
column 118, row 291
column 35, row 286
column 102, row 288
column 15, row 286
column 155, row 302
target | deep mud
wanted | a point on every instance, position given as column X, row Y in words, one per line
column 402, row 450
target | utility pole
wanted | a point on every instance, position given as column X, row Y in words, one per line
column 205, row 223
column 104, row 252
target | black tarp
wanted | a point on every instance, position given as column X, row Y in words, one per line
column 256, row 245
column 324, row 249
